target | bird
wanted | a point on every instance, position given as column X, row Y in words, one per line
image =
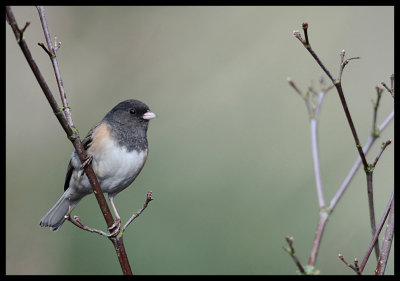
column 117, row 148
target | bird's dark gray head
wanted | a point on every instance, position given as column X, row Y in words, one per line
column 128, row 121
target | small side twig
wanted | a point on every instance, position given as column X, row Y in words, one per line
column 291, row 252
column 383, row 147
column 353, row 267
column 77, row 222
column 344, row 63
column 135, row 215
column 391, row 89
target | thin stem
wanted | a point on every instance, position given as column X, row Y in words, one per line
column 135, row 215
column 317, row 171
column 371, row 196
column 367, row 146
column 317, row 59
column 323, row 219
column 304, row 97
column 372, row 211
column 378, row 231
column 314, row 111
column 315, row 149
column 383, row 147
column 343, row 64
column 387, row 243
column 379, row 92
column 78, row 223
column 305, row 27
column 53, row 58
column 291, row 252
column 391, row 89
column 354, row 267
column 350, row 121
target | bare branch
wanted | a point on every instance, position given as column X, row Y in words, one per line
column 387, row 243
column 52, row 54
column 391, row 89
column 290, row 250
column 135, row 215
column 338, row 85
column 354, row 267
column 376, row 235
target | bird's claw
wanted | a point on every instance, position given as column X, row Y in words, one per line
column 116, row 226
column 88, row 160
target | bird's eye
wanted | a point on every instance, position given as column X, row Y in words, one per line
column 132, row 111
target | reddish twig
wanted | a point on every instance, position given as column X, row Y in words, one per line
column 376, row 235
column 291, row 252
column 353, row 267
column 387, row 243
column 391, row 89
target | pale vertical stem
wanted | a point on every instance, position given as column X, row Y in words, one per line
column 315, row 155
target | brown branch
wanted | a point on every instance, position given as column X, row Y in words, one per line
column 72, row 135
column 338, row 85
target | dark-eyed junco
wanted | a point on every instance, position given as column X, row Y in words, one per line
column 118, row 147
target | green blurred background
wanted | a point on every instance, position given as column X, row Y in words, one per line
column 230, row 157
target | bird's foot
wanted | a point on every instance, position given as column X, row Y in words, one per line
column 115, row 228
column 88, row 161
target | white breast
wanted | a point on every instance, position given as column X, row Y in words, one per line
column 116, row 168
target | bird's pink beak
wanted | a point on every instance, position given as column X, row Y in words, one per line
column 149, row 115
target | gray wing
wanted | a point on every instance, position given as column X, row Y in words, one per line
column 87, row 141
